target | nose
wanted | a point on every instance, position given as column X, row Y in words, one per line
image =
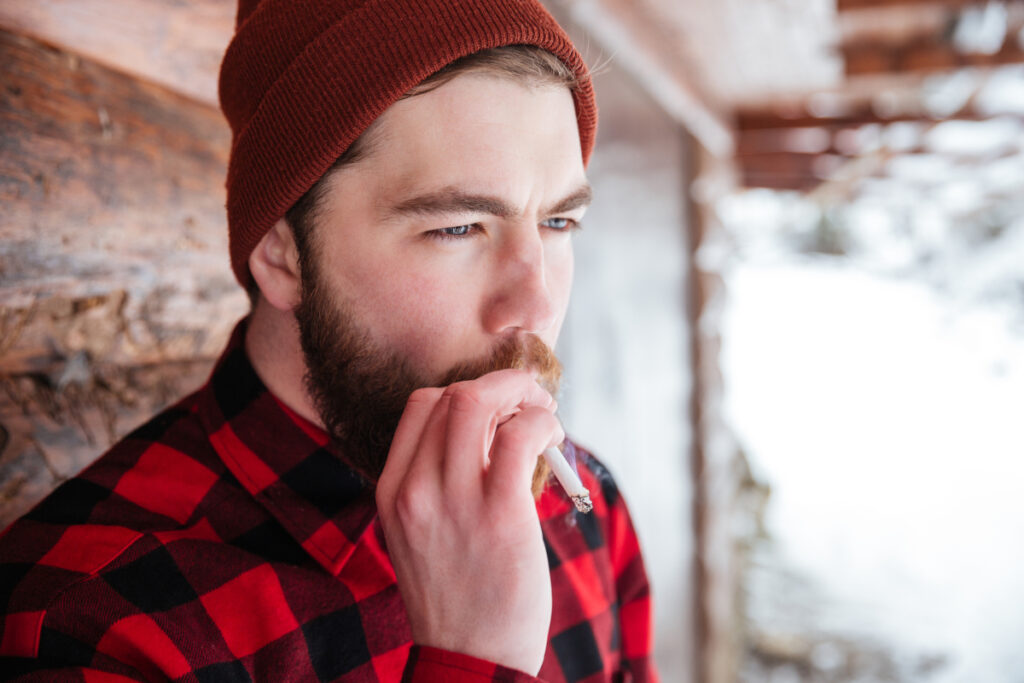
column 521, row 296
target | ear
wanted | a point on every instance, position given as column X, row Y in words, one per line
column 274, row 265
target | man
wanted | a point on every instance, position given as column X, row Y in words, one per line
column 352, row 495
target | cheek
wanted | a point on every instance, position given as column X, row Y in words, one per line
column 565, row 274
column 418, row 314
column 560, row 277
column 563, row 263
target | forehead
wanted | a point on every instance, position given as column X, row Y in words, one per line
column 479, row 130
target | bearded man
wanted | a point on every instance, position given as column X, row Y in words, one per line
column 356, row 494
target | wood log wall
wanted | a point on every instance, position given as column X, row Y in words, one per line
column 115, row 288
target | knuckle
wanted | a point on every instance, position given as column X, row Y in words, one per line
column 513, row 438
column 382, row 488
column 541, row 417
column 424, row 396
column 382, row 497
column 387, row 484
column 412, row 504
column 517, row 376
column 528, row 431
column 463, row 397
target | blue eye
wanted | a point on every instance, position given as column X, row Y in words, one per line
column 456, row 232
column 559, row 223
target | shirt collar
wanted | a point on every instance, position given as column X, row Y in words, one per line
column 284, row 461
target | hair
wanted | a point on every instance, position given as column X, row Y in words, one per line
column 525, row 64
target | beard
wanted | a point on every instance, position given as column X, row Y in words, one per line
column 360, row 388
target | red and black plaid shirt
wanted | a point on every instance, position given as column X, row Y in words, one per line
column 223, row 541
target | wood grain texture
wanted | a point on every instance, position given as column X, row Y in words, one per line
column 106, row 181
column 116, row 292
column 176, row 43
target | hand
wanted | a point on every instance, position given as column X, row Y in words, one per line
column 461, row 523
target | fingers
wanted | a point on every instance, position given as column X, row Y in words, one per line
column 474, row 411
column 405, row 443
column 516, row 446
column 446, row 436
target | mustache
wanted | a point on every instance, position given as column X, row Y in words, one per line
column 520, row 352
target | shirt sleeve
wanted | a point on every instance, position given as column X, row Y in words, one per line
column 431, row 665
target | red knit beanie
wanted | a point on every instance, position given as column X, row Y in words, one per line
column 302, row 79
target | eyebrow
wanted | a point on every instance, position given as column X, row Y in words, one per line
column 452, row 200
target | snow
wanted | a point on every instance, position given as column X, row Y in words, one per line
column 1002, row 92
column 888, row 424
column 879, row 392
column 873, row 359
column 991, row 136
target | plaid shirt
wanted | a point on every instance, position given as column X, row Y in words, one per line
column 223, row 541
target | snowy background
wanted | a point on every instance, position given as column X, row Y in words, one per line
column 874, row 361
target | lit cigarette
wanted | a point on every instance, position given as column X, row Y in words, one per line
column 569, row 480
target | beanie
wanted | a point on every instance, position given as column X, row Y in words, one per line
column 302, row 79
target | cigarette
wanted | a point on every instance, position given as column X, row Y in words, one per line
column 569, row 480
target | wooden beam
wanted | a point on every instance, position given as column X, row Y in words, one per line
column 761, row 120
column 788, row 140
column 923, row 57
column 111, row 187
column 847, row 5
column 782, row 171
column 176, row 44
column 775, row 181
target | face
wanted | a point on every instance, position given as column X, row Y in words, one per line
column 444, row 253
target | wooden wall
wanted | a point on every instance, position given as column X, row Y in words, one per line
column 115, row 288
